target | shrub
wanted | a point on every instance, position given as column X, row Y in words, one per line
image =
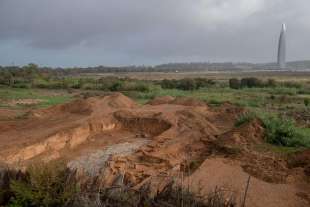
column 278, row 131
column 168, row 84
column 187, row 84
column 21, row 85
column 52, row 185
column 134, row 86
column 284, row 133
column 251, row 82
column 117, row 86
column 45, row 185
column 142, row 87
column 203, row 82
column 171, row 196
column 234, row 83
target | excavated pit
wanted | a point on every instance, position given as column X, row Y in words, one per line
column 148, row 125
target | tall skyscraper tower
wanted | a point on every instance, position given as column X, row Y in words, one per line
column 282, row 48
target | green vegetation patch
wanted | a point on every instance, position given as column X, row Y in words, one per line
column 283, row 132
column 44, row 185
column 41, row 98
column 53, row 185
column 280, row 131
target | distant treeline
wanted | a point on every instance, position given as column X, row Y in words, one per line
column 170, row 67
column 31, row 76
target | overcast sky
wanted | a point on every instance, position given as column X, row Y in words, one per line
column 123, row 32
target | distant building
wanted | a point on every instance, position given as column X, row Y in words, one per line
column 282, row 48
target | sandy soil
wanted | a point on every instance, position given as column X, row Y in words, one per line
column 112, row 137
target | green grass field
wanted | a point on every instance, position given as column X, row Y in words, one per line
column 44, row 98
column 268, row 98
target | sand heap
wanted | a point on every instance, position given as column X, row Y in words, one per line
column 122, row 143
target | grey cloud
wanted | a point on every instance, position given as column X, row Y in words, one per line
column 159, row 30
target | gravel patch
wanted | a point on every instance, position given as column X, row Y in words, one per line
column 92, row 164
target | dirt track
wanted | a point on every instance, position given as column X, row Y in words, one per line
column 113, row 137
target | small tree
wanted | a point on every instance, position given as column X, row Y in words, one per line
column 31, row 72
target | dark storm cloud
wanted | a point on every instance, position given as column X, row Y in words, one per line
column 151, row 31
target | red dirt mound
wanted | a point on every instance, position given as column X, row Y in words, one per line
column 230, row 177
column 301, row 159
column 76, row 107
column 161, row 100
column 195, row 121
column 6, row 114
column 88, row 106
column 80, row 106
column 247, row 134
column 240, row 143
column 118, row 100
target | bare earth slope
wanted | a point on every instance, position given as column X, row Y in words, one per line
column 123, row 143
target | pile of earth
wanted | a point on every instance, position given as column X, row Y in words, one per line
column 124, row 144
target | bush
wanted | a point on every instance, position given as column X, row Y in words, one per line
column 278, row 131
column 52, row 185
column 44, row 185
column 117, row 86
column 284, row 133
column 234, row 83
column 171, row 196
column 142, row 87
column 169, row 84
column 187, row 84
column 251, row 82
column 21, row 85
column 135, row 86
column 203, row 82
